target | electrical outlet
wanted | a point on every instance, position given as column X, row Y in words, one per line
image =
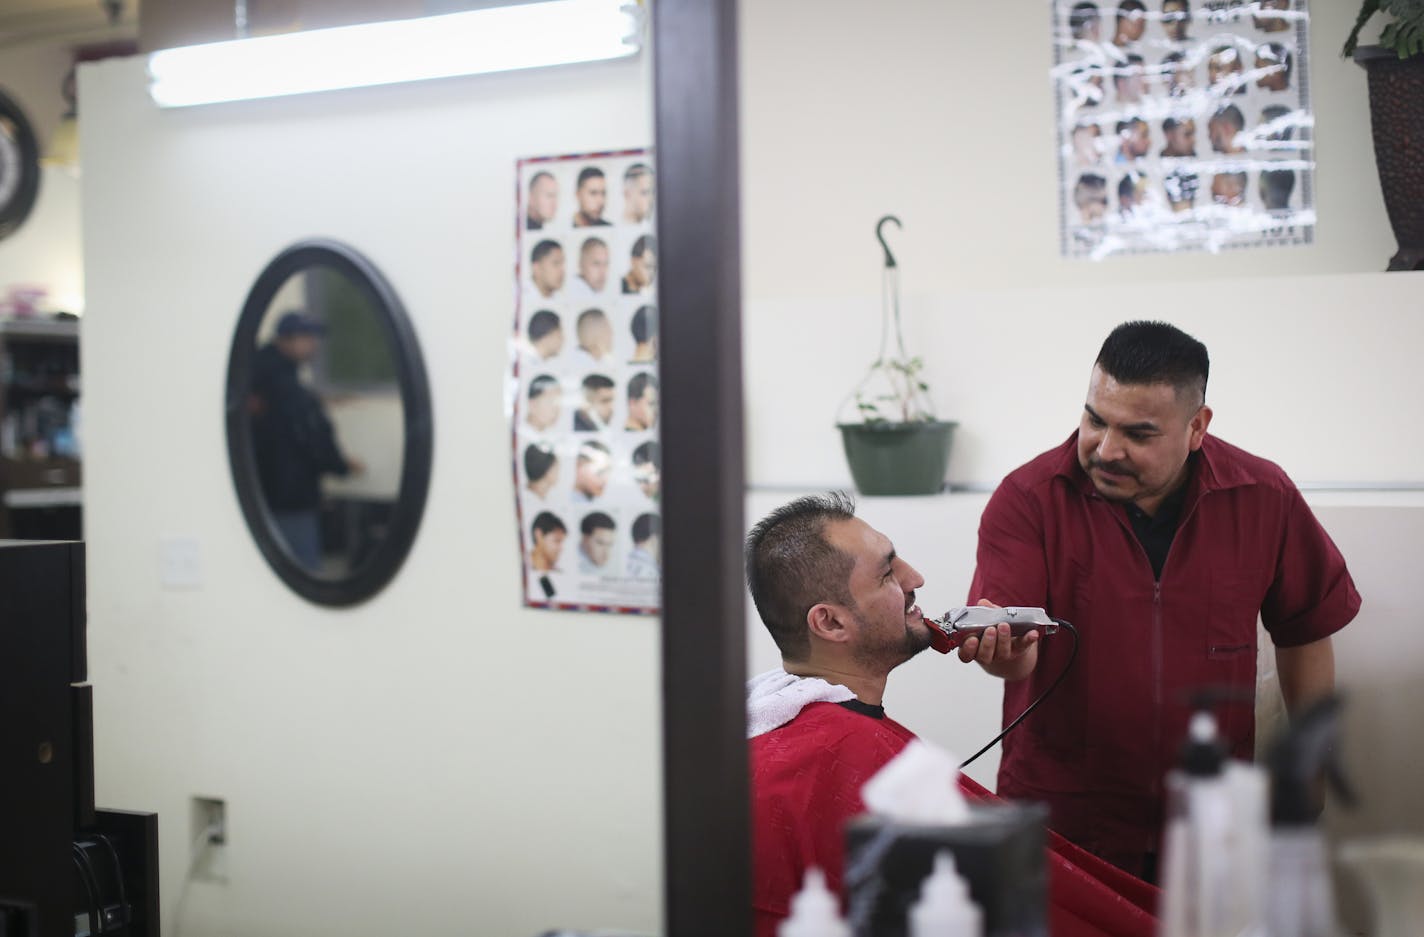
column 208, row 836
column 209, row 814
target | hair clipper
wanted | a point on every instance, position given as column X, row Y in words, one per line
column 970, row 621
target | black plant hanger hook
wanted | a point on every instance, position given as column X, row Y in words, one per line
column 879, row 236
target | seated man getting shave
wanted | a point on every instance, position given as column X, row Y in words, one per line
column 840, row 605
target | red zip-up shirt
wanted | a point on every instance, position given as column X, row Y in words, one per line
column 1097, row 750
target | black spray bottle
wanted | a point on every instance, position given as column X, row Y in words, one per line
column 1214, row 844
column 1300, row 900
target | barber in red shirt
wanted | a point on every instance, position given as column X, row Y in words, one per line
column 1162, row 545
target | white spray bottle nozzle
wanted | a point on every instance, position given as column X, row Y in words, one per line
column 815, row 911
column 945, row 906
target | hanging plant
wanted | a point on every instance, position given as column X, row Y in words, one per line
column 894, row 390
column 897, row 447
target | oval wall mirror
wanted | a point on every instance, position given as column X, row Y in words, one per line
column 328, row 423
column 19, row 166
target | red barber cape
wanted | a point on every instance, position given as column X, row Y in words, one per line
column 806, row 780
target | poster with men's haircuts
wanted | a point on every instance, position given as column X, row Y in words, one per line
column 1183, row 125
column 583, row 383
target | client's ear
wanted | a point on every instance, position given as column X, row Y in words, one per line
column 825, row 621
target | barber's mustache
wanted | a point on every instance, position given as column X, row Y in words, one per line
column 1117, row 468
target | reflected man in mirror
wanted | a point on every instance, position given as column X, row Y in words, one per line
column 292, row 438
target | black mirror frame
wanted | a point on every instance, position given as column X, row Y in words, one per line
column 13, row 214
column 706, row 791
column 416, row 460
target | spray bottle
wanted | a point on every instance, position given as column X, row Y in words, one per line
column 945, row 908
column 1196, row 880
column 815, row 912
column 1300, row 901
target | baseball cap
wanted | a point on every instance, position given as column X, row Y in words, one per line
column 299, row 323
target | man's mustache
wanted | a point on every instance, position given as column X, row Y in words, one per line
column 1117, row 468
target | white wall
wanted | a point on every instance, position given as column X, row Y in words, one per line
column 438, row 759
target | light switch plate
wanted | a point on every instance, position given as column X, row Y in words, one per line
column 180, row 563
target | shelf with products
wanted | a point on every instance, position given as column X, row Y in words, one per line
column 40, row 459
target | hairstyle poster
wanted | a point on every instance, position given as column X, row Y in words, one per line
column 584, row 383
column 1182, row 125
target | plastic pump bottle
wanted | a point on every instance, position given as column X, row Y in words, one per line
column 945, row 908
column 815, row 912
column 1197, row 876
column 1301, row 898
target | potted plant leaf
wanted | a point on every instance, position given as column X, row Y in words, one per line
column 895, row 445
column 1396, row 85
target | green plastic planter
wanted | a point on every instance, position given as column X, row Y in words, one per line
column 898, row 458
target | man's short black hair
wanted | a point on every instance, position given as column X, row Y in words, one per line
column 1130, row 6
column 645, row 244
column 646, row 525
column 592, row 449
column 597, row 382
column 1276, row 188
column 538, row 459
column 637, row 171
column 1144, row 352
column 1278, row 52
column 587, row 316
column 649, row 453
column 1125, row 125
column 639, row 383
column 791, row 566
column 547, row 523
column 1127, row 185
column 590, row 243
column 543, row 249
column 1090, row 186
column 1081, row 16
column 587, row 173
column 1232, row 115
column 644, row 324
column 1272, row 113
column 542, row 323
column 541, row 174
column 596, row 521
column 542, row 383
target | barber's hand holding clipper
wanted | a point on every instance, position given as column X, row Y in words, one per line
column 1001, row 654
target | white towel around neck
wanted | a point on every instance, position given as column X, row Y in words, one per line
column 776, row 697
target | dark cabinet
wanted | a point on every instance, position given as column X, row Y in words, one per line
column 40, row 460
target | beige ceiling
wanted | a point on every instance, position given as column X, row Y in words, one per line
column 28, row 22
column 180, row 22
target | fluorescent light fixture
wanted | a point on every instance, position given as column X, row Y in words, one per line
column 529, row 35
